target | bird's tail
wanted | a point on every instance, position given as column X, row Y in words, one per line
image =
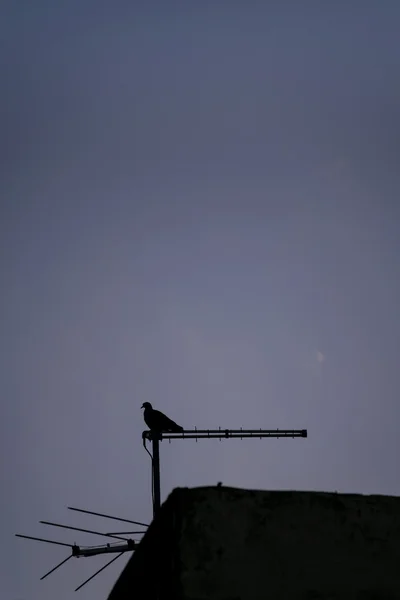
column 175, row 428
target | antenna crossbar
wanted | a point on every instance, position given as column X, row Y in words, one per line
column 229, row 433
column 131, row 545
column 125, row 532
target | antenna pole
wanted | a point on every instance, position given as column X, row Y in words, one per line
column 155, row 438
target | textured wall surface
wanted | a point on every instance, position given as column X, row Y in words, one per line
column 232, row 544
column 239, row 544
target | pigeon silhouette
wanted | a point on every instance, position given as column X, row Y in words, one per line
column 158, row 422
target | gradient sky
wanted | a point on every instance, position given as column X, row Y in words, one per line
column 200, row 208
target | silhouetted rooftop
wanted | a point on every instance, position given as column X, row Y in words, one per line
column 228, row 543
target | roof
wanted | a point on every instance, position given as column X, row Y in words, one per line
column 230, row 543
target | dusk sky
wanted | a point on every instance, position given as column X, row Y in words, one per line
column 200, row 207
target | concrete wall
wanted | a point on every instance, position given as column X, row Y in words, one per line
column 282, row 545
column 230, row 544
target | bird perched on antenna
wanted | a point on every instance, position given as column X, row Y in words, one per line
column 158, row 422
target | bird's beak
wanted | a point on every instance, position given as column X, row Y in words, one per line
column 142, row 406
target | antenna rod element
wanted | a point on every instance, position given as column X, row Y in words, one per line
column 56, row 567
column 89, row 512
column 29, row 537
column 99, row 571
column 117, row 537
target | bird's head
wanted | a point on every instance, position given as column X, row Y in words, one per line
column 146, row 405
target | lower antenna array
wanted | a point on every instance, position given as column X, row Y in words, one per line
column 79, row 551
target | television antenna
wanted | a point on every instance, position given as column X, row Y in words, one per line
column 118, row 547
column 156, row 437
column 123, row 544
